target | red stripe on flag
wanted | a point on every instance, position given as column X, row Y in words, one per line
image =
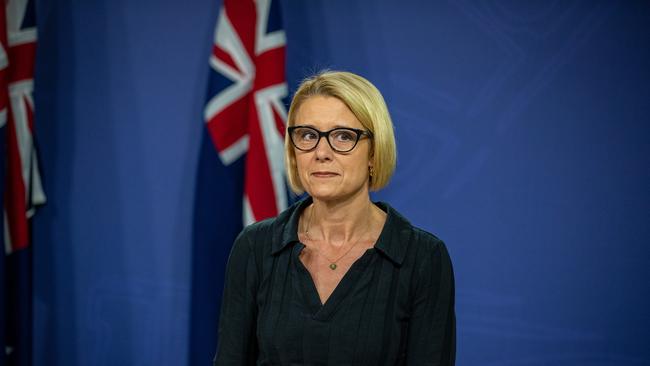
column 259, row 185
column 279, row 122
column 242, row 16
column 270, row 68
column 21, row 64
column 229, row 125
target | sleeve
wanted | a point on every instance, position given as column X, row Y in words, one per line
column 432, row 326
column 237, row 344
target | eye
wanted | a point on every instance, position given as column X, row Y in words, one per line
column 306, row 134
column 344, row 135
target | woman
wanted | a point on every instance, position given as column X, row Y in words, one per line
column 337, row 279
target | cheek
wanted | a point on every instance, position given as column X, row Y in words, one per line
column 362, row 172
column 301, row 167
column 361, row 167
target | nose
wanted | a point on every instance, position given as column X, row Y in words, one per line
column 323, row 150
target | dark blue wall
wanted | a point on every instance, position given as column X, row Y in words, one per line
column 522, row 131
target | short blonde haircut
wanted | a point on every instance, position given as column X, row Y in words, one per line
column 368, row 106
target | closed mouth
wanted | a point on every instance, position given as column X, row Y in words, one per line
column 323, row 174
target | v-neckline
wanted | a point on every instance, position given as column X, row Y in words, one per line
column 318, row 309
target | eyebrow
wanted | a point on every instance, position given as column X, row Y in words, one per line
column 314, row 127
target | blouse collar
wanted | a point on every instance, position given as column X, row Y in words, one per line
column 392, row 242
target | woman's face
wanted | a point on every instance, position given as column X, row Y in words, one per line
column 324, row 173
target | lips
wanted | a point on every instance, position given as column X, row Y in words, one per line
column 324, row 174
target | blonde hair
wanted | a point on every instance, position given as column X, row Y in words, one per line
column 367, row 105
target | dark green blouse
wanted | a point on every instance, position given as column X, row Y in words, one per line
column 394, row 306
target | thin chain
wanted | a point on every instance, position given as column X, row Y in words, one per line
column 332, row 265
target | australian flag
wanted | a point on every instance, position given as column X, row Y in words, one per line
column 21, row 187
column 240, row 176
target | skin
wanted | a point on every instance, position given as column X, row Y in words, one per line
column 342, row 221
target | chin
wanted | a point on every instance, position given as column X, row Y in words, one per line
column 332, row 192
column 328, row 195
column 323, row 194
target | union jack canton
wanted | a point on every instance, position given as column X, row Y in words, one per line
column 246, row 115
column 17, row 58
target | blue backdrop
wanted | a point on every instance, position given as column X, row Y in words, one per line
column 522, row 130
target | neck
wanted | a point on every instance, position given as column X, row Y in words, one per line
column 341, row 222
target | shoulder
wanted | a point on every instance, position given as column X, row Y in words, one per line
column 407, row 246
column 256, row 237
column 427, row 248
column 426, row 259
column 258, row 229
column 426, row 242
column 251, row 245
column 266, row 235
column 421, row 249
column 424, row 238
column 431, row 261
column 402, row 231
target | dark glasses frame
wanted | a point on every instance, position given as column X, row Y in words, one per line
column 359, row 134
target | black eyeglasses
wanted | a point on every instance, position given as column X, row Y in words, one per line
column 340, row 139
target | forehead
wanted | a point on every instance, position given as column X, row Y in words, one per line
column 326, row 112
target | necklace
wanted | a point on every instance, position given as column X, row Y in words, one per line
column 332, row 264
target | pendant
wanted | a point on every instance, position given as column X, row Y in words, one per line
column 333, row 266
